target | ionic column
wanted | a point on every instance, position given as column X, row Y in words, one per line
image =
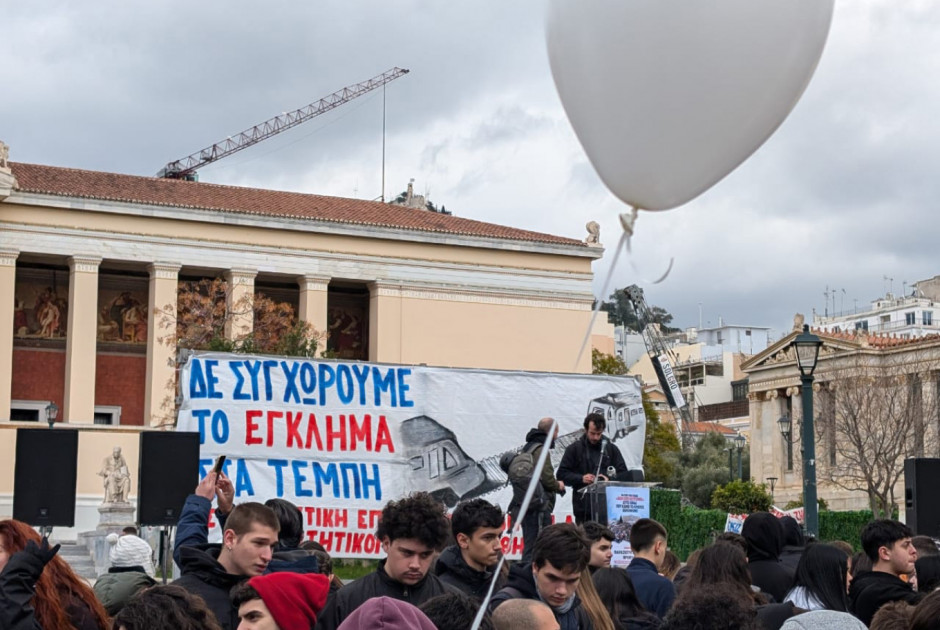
column 240, row 302
column 313, row 303
column 81, row 339
column 161, row 346
column 385, row 322
column 7, row 306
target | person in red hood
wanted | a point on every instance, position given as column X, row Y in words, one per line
column 388, row 614
column 280, row 601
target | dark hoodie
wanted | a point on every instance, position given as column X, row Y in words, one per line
column 793, row 543
column 870, row 590
column 343, row 602
column 521, row 584
column 764, row 535
column 453, row 570
column 202, row 575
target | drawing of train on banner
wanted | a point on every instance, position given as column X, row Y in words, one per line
column 440, row 466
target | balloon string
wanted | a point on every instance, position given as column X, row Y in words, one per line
column 623, row 244
column 627, row 221
column 517, row 525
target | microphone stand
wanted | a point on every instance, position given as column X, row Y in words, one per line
column 600, row 462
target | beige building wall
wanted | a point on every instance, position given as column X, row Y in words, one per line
column 644, row 366
column 437, row 299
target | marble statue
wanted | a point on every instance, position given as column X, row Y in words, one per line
column 117, row 478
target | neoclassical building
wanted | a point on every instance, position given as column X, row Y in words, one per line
column 883, row 387
column 88, row 259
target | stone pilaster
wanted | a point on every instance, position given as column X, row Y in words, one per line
column 385, row 322
column 81, row 340
column 313, row 305
column 161, row 344
column 7, row 305
column 240, row 302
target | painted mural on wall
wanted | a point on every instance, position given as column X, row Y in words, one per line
column 347, row 332
column 40, row 304
column 122, row 316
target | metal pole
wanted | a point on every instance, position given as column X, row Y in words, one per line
column 810, row 507
column 740, row 467
column 730, row 464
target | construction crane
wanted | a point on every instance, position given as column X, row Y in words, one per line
column 185, row 168
column 662, row 359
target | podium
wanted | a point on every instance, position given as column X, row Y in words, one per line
column 596, row 496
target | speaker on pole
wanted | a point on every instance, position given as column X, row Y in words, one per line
column 921, row 508
column 44, row 477
column 169, row 471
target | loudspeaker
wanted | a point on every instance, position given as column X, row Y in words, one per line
column 44, row 477
column 169, row 471
column 921, row 508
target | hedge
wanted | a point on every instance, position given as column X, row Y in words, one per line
column 690, row 528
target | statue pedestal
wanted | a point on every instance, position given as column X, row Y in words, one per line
column 113, row 518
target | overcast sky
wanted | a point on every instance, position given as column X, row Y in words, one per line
column 842, row 195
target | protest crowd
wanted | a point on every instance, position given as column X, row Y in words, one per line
column 441, row 570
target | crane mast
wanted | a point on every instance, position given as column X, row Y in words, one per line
column 662, row 359
column 185, row 168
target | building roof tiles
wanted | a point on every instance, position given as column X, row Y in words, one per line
column 70, row 182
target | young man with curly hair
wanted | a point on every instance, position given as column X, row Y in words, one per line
column 410, row 531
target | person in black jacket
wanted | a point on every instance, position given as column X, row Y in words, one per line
column 888, row 544
column 648, row 543
column 583, row 459
column 467, row 566
column 793, row 542
column 539, row 513
column 19, row 573
column 764, row 534
column 561, row 554
column 410, row 531
column 212, row 570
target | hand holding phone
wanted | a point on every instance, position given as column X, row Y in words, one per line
column 219, row 462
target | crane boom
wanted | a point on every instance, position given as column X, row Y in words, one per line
column 660, row 356
column 186, row 167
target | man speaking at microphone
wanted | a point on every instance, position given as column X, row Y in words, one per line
column 592, row 458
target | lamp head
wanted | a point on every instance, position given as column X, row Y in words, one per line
column 807, row 351
column 52, row 411
column 785, row 424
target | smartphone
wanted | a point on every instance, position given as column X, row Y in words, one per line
column 219, row 462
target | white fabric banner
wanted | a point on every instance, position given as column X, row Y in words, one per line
column 340, row 439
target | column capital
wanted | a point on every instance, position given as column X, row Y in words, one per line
column 313, row 282
column 164, row 270
column 384, row 288
column 84, row 264
column 8, row 257
column 241, row 275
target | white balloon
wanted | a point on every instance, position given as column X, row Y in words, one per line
column 669, row 96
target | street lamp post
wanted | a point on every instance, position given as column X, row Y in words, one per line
column 773, row 482
column 807, row 354
column 739, row 442
column 785, row 426
column 52, row 410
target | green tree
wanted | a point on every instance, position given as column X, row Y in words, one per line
column 602, row 363
column 620, row 312
column 703, row 468
column 822, row 504
column 661, row 449
column 741, row 497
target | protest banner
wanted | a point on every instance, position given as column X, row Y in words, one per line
column 625, row 506
column 340, row 439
